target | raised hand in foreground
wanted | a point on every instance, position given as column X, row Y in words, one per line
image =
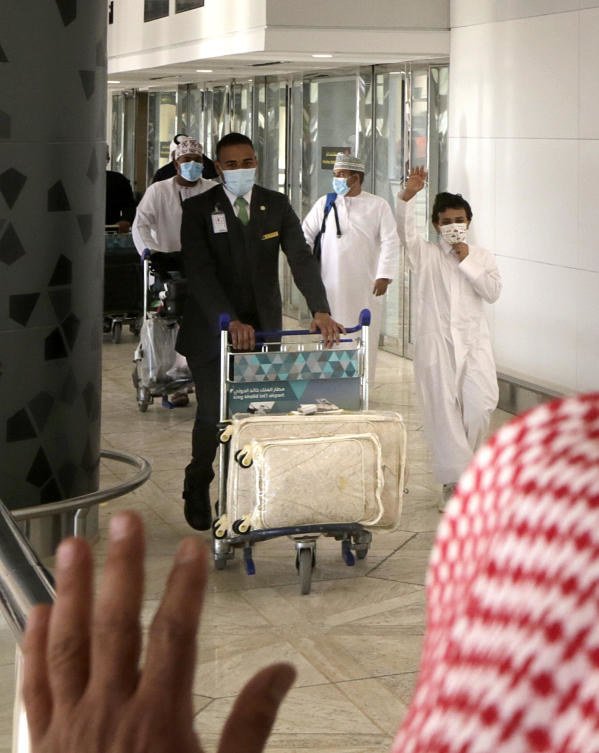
column 83, row 688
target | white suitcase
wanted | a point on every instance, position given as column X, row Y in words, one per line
column 324, row 468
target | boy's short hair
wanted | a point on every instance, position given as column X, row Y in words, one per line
column 232, row 139
column 445, row 200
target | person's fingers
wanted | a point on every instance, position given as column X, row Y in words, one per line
column 255, row 710
column 171, row 650
column 36, row 689
column 116, row 632
column 68, row 635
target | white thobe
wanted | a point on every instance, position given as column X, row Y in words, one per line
column 453, row 359
column 157, row 223
column 367, row 250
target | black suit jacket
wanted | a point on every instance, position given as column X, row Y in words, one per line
column 219, row 267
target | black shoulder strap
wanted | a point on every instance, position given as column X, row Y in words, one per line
column 328, row 205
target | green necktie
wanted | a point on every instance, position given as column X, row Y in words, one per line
column 242, row 210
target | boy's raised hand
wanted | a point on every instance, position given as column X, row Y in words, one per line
column 415, row 182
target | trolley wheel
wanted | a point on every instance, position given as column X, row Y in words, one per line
column 347, row 554
column 218, row 531
column 304, row 565
column 240, row 527
column 220, row 563
column 361, row 552
column 117, row 331
column 135, row 377
column 243, row 458
column 143, row 399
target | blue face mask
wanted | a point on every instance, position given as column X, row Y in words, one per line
column 191, row 171
column 340, row 186
column 239, row 181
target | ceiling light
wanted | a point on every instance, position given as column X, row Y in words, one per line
column 322, row 55
column 113, row 82
column 203, row 70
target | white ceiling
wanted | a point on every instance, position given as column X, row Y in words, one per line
column 245, row 66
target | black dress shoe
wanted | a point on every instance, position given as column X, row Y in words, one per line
column 197, row 511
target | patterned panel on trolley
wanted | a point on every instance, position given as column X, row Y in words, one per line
column 295, row 366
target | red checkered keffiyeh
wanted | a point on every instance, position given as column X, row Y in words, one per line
column 511, row 655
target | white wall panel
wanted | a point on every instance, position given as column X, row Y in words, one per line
column 588, row 241
column 529, row 91
column 536, row 322
column 473, row 104
column 511, row 9
column 537, row 199
column 589, row 80
column 587, row 298
column 400, row 14
column 467, row 12
column 516, row 78
column 472, row 173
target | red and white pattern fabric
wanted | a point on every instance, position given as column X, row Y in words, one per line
column 510, row 660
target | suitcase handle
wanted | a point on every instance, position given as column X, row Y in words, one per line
column 364, row 321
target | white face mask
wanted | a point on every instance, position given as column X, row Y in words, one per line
column 454, row 233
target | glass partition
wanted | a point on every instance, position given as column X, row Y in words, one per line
column 162, row 126
column 392, row 116
column 116, row 132
column 242, row 108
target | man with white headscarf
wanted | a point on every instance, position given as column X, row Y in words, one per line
column 359, row 248
column 157, row 225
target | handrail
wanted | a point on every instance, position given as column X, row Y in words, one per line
column 23, row 579
column 85, row 501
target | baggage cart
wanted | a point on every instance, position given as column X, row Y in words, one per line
column 300, row 454
column 159, row 371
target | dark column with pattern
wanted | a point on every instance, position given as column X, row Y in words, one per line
column 52, row 172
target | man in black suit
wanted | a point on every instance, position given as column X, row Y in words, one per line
column 230, row 241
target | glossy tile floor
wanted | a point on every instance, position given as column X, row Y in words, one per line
column 355, row 639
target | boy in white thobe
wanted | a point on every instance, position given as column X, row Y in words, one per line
column 453, row 360
column 358, row 266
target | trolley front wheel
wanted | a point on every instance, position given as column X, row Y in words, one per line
column 117, row 331
column 305, row 564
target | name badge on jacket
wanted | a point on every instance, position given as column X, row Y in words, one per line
column 268, row 236
column 219, row 222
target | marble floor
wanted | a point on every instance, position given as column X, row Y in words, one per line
column 355, row 639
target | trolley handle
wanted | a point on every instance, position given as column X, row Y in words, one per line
column 364, row 321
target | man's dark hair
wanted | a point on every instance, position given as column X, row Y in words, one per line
column 447, row 200
column 178, row 136
column 232, row 139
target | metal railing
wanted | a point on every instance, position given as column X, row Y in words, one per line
column 24, row 581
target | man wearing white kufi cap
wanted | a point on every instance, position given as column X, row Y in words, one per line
column 157, row 225
column 359, row 248
column 170, row 169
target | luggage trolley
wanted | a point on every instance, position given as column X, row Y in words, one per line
column 156, row 372
column 286, row 364
column 122, row 285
